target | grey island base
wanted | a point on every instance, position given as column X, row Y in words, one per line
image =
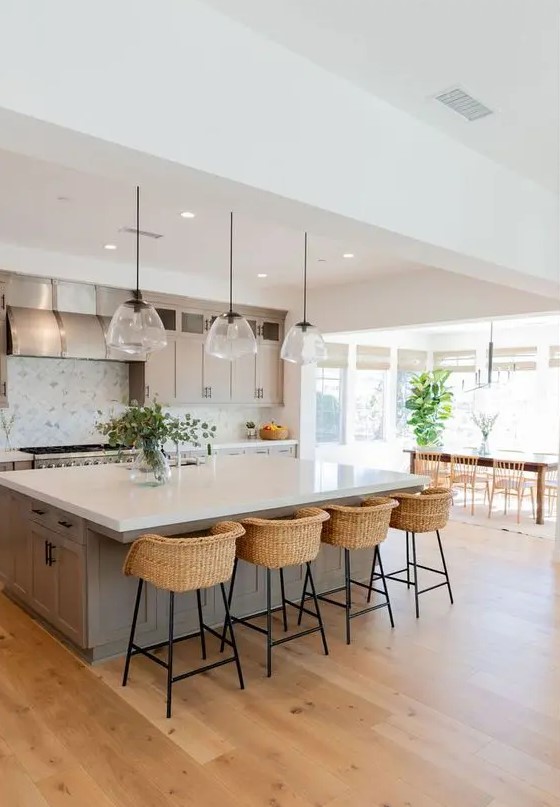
column 65, row 532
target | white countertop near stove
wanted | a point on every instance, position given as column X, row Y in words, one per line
column 15, row 456
column 222, row 487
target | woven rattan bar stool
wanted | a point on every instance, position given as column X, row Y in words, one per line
column 184, row 563
column 276, row 544
column 357, row 528
column 427, row 511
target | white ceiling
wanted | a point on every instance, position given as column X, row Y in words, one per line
column 503, row 52
column 46, row 206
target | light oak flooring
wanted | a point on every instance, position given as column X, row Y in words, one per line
column 460, row 708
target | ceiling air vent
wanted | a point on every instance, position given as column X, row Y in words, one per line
column 464, row 104
column 145, row 233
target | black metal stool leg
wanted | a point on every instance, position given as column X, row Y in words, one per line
column 229, row 599
column 444, row 566
column 170, row 652
column 415, row 575
column 283, row 593
column 316, row 601
column 407, row 560
column 132, row 632
column 348, row 592
column 229, row 625
column 268, row 624
column 384, row 582
column 373, row 562
column 201, row 623
column 303, row 595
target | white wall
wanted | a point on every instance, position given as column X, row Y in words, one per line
column 181, row 82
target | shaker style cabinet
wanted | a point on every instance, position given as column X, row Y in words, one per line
column 3, row 348
column 183, row 373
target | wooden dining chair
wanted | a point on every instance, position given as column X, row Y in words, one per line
column 465, row 474
column 551, row 489
column 509, row 478
column 428, row 463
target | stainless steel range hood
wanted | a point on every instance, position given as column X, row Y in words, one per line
column 58, row 319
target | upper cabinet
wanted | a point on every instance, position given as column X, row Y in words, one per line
column 183, row 373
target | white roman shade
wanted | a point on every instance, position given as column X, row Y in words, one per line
column 554, row 356
column 458, row 361
column 337, row 356
column 372, row 358
column 415, row 361
column 515, row 358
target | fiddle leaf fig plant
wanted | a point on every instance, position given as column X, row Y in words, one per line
column 430, row 404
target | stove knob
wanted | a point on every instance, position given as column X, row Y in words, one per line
column 87, row 462
column 52, row 465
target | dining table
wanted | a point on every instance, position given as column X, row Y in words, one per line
column 538, row 464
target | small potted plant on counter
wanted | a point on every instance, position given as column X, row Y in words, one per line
column 147, row 429
column 251, row 429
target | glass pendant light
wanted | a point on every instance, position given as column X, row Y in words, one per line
column 230, row 336
column 304, row 343
column 136, row 327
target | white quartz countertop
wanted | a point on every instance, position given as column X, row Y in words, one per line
column 221, row 488
column 15, row 456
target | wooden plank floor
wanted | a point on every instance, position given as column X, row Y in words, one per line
column 458, row 709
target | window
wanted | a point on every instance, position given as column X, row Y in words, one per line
column 329, row 396
column 403, row 388
column 369, row 417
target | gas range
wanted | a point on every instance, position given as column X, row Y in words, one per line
column 73, row 456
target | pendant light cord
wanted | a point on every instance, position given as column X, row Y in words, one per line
column 231, row 262
column 305, row 281
column 138, row 242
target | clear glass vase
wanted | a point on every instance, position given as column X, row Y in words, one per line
column 151, row 466
column 484, row 449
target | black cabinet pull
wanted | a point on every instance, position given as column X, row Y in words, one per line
column 66, row 524
column 46, row 553
column 209, row 392
column 51, row 559
column 39, row 512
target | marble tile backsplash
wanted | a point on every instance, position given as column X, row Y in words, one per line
column 56, row 401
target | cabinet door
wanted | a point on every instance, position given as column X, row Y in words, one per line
column 244, row 379
column 188, row 372
column 6, row 557
column 216, row 379
column 21, row 549
column 269, row 374
column 270, row 331
column 68, row 569
column 43, row 578
column 3, row 362
column 160, row 375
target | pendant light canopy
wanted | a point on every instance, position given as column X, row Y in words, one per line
column 304, row 343
column 136, row 327
column 230, row 336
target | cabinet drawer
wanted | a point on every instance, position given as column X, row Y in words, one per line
column 63, row 523
column 6, row 466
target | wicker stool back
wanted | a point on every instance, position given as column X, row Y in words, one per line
column 358, row 527
column 422, row 512
column 276, row 543
column 188, row 562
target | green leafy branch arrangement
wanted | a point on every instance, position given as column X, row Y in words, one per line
column 150, row 425
column 430, row 404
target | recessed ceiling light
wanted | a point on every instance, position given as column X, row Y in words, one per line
column 262, row 274
column 109, row 246
column 186, row 214
column 348, row 255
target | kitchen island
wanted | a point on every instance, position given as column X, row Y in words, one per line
column 64, row 534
